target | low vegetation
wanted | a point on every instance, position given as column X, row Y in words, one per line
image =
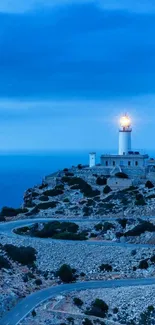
column 65, row 273
column 101, row 181
column 149, row 185
column 55, row 230
column 98, row 308
column 107, row 189
column 4, row 263
column 22, row 254
column 10, row 212
column 106, row 267
column 78, row 302
column 121, row 175
column 143, row 264
column 81, row 185
column 140, row 229
column 47, row 205
column 53, row 192
column 44, row 198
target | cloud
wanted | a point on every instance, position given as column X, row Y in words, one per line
column 77, row 52
column 143, row 6
column 57, row 125
column 18, row 6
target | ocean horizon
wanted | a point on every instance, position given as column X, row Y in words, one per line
column 22, row 170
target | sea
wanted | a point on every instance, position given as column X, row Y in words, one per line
column 20, row 171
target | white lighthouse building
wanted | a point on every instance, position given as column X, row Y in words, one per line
column 125, row 136
column 127, row 160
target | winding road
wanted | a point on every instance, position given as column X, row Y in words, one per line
column 8, row 227
column 26, row 305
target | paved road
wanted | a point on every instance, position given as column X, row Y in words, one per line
column 8, row 227
column 29, row 303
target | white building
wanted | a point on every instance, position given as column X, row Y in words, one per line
column 127, row 160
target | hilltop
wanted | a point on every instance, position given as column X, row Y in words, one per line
column 83, row 193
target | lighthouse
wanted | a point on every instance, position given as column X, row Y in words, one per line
column 125, row 135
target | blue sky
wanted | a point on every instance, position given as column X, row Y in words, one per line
column 69, row 69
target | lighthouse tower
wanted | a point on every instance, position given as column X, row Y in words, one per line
column 125, row 135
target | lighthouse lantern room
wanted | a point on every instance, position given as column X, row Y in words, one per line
column 125, row 135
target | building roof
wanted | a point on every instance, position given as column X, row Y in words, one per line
column 129, row 156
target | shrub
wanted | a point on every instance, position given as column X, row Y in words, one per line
column 65, row 273
column 47, row 205
column 139, row 196
column 34, row 313
column 121, row 175
column 152, row 196
column 151, row 308
column 43, row 185
column 90, row 203
column 70, row 236
column 58, row 230
column 65, row 179
column 149, row 184
column 59, row 187
column 143, row 264
column 140, row 202
column 70, row 320
column 65, row 170
column 107, row 226
column 133, row 252
column 79, row 166
column 78, row 302
column 152, row 259
column 98, row 227
column 66, row 200
column 140, row 229
column 82, row 274
column 81, row 185
column 30, row 275
column 119, row 234
column 10, row 212
column 107, row 189
column 74, row 187
column 123, row 222
column 44, row 198
column 30, row 204
column 98, row 308
column 38, row 282
column 87, row 321
column 93, row 235
column 106, row 267
column 2, row 218
column 87, row 211
column 35, row 210
column 34, row 194
column 53, row 192
column 101, row 181
column 21, row 230
column 69, row 174
column 98, row 303
column 4, row 263
column 125, row 201
column 115, row 310
column 23, row 255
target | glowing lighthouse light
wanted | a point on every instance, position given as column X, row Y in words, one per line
column 125, row 121
column 125, row 135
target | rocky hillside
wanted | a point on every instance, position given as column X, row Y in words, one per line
column 81, row 193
